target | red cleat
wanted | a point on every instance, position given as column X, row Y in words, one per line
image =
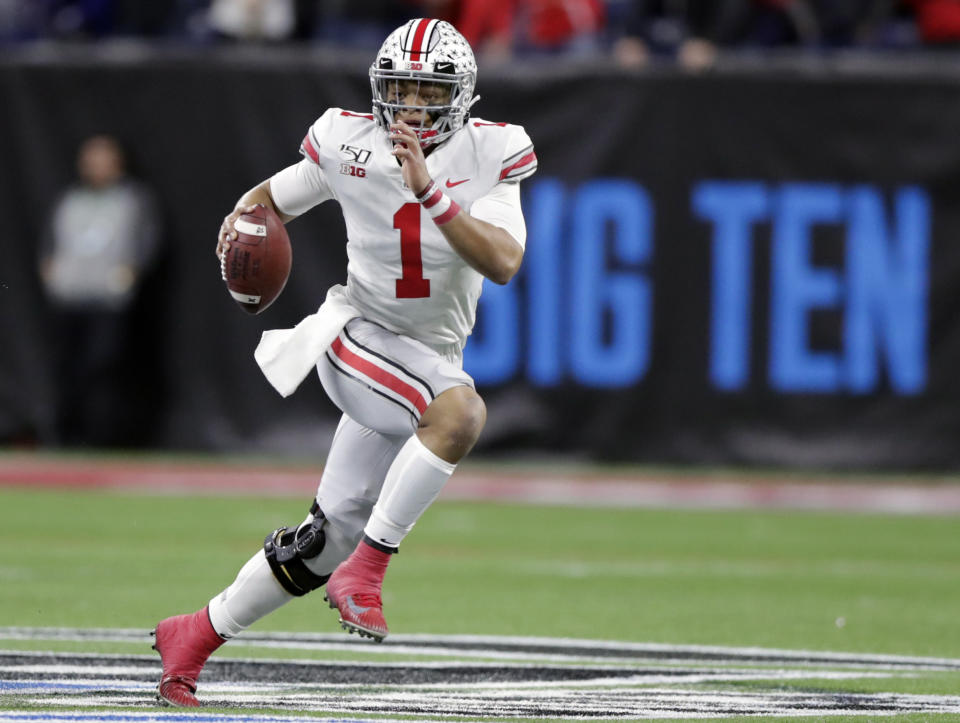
column 354, row 589
column 184, row 643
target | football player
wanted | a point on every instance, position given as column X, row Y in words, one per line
column 431, row 201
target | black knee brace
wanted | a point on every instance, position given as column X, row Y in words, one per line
column 286, row 549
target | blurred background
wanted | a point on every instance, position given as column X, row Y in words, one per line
column 742, row 236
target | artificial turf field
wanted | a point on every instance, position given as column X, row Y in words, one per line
column 497, row 612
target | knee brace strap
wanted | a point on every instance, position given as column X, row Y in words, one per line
column 286, row 549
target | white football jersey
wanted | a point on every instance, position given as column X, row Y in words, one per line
column 401, row 272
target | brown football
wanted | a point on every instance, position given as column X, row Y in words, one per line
column 257, row 265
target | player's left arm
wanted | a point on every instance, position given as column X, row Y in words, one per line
column 489, row 249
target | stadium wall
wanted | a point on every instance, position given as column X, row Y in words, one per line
column 752, row 267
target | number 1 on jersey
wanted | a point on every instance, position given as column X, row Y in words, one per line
column 411, row 285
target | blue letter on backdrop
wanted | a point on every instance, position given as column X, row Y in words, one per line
column 733, row 207
column 798, row 288
column 544, row 268
column 610, row 310
column 887, row 286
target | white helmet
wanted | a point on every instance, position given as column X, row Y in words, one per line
column 428, row 52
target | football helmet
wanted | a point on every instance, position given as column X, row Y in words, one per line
column 431, row 61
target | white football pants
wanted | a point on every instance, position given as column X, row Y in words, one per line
column 383, row 383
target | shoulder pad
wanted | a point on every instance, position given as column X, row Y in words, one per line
column 520, row 160
column 322, row 128
column 310, row 145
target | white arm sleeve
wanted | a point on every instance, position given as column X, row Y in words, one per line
column 501, row 207
column 298, row 188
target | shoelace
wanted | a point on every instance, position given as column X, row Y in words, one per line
column 367, row 600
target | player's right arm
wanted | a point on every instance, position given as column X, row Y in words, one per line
column 291, row 192
column 245, row 204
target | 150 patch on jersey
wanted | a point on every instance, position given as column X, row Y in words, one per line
column 358, row 158
column 355, row 154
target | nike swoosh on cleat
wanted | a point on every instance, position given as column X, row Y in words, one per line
column 354, row 608
column 451, row 184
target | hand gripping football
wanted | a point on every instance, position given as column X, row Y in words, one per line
column 257, row 264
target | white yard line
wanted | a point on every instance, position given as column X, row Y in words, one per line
column 55, row 682
column 532, row 649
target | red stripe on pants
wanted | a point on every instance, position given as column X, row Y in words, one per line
column 379, row 375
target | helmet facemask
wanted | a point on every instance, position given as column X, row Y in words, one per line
column 430, row 66
column 444, row 101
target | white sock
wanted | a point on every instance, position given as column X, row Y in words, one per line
column 413, row 482
column 252, row 595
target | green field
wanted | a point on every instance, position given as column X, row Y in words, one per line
column 808, row 581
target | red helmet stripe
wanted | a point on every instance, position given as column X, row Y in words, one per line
column 421, row 31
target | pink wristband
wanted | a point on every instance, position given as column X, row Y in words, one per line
column 439, row 205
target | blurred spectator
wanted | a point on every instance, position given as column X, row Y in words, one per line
column 86, row 19
column 501, row 28
column 693, row 30
column 686, row 29
column 806, row 23
column 80, row 18
column 765, row 23
column 153, row 19
column 253, row 19
column 844, row 23
column 21, row 21
column 364, row 23
column 103, row 236
column 938, row 21
column 488, row 27
column 359, row 23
